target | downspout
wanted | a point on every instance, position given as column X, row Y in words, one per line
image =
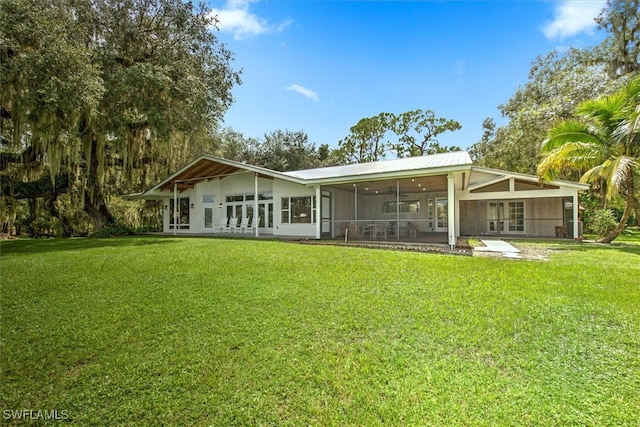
column 175, row 207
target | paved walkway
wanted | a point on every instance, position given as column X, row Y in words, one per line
column 499, row 246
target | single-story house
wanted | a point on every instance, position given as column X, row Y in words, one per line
column 443, row 196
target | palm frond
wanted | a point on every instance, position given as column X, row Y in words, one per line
column 628, row 132
column 592, row 174
column 569, row 131
column 571, row 155
column 614, row 172
column 604, row 111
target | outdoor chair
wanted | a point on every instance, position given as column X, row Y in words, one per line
column 233, row 224
column 224, row 225
column 379, row 230
column 244, row 225
column 253, row 225
column 561, row 231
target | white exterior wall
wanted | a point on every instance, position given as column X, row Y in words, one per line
column 289, row 189
column 234, row 185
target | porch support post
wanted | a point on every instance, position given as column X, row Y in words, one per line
column 397, row 209
column 451, row 210
column 318, row 211
column 576, row 228
column 175, row 207
column 255, row 203
column 355, row 198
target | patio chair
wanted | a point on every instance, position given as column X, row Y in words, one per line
column 233, row 224
column 244, row 225
column 379, row 230
column 224, row 225
column 561, row 231
column 253, row 225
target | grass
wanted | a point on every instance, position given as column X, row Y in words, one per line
column 192, row 331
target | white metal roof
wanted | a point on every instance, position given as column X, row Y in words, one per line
column 435, row 161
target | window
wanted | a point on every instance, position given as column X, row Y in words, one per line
column 298, row 210
column 182, row 214
column 405, row 206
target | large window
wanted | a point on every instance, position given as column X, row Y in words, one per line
column 298, row 210
column 405, row 206
column 182, row 214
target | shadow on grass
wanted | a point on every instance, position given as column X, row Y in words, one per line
column 617, row 247
column 630, row 246
column 34, row 246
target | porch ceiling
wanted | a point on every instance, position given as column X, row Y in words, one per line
column 201, row 170
column 407, row 186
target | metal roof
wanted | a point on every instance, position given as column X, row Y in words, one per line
column 435, row 161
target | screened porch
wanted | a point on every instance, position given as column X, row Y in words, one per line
column 411, row 209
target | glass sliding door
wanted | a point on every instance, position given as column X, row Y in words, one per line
column 506, row 217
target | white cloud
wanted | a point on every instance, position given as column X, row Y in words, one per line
column 303, row 91
column 573, row 17
column 236, row 18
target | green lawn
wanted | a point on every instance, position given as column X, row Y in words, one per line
column 194, row 331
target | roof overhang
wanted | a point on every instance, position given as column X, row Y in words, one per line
column 380, row 176
column 203, row 168
column 502, row 175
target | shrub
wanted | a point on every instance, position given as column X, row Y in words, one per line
column 114, row 230
column 603, row 222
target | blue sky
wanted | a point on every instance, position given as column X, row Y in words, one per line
column 321, row 66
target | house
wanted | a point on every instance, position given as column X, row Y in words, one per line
column 442, row 196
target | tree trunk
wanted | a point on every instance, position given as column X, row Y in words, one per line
column 33, row 206
column 95, row 205
column 49, row 205
column 628, row 208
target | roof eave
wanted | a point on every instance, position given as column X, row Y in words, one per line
column 532, row 178
column 378, row 176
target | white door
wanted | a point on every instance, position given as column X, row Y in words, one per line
column 208, row 204
column 265, row 212
column 442, row 215
column 506, row 217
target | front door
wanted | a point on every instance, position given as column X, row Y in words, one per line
column 208, row 204
column 442, row 215
column 265, row 212
column 325, row 216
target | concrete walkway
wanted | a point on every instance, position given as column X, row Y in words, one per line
column 499, row 246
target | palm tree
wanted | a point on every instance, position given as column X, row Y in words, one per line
column 604, row 140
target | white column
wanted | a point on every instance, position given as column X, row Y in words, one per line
column 255, row 202
column 318, row 212
column 397, row 209
column 355, row 192
column 451, row 210
column 576, row 228
column 175, row 208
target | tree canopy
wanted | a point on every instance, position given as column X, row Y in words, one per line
column 414, row 134
column 105, row 95
column 558, row 83
column 603, row 142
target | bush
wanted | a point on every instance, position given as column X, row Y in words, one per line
column 114, row 230
column 603, row 222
